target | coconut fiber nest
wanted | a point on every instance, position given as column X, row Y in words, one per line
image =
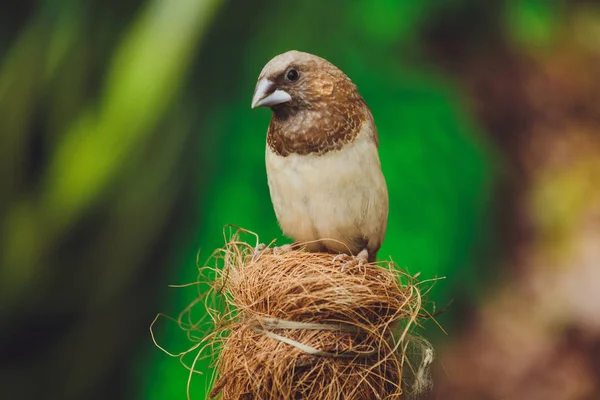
column 301, row 325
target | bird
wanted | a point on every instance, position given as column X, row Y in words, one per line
column 322, row 159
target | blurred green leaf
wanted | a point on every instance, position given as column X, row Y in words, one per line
column 533, row 23
column 145, row 74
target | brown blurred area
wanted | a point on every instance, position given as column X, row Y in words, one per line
column 536, row 334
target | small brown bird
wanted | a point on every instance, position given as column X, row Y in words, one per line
column 323, row 167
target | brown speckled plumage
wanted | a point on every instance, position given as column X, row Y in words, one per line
column 326, row 113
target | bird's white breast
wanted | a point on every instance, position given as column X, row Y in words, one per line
column 338, row 195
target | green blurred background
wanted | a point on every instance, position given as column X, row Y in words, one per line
column 128, row 142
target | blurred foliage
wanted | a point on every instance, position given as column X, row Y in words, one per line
column 533, row 23
column 92, row 146
column 128, row 143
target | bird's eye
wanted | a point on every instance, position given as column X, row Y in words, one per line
column 292, row 75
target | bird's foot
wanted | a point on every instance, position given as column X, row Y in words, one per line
column 258, row 250
column 279, row 250
column 343, row 257
column 262, row 248
column 363, row 256
column 353, row 261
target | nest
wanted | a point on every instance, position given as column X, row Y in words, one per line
column 300, row 325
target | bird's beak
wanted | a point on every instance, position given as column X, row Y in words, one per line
column 265, row 96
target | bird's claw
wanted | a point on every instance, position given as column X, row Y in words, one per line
column 258, row 250
column 342, row 257
column 363, row 257
column 352, row 261
column 262, row 248
column 279, row 250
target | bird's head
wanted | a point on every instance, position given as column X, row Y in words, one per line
column 316, row 107
column 295, row 81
